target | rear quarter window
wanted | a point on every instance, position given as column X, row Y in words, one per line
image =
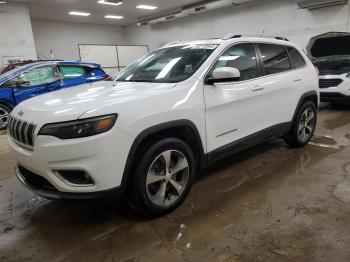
column 69, row 72
column 296, row 58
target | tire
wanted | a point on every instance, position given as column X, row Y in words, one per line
column 4, row 116
column 302, row 129
column 156, row 188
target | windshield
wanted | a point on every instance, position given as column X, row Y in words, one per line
column 333, row 67
column 167, row 65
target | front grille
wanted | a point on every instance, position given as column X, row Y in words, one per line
column 36, row 180
column 326, row 83
column 21, row 130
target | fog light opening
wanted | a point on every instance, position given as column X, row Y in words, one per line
column 75, row 177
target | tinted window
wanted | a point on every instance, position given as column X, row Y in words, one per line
column 275, row 58
column 296, row 58
column 242, row 57
column 39, row 76
column 167, row 65
column 72, row 71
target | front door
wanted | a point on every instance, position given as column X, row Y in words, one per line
column 38, row 81
column 232, row 108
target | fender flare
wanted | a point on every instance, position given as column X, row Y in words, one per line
column 183, row 123
column 306, row 95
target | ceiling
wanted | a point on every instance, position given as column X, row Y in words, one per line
column 57, row 10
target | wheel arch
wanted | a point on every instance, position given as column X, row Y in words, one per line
column 4, row 103
column 308, row 96
column 182, row 129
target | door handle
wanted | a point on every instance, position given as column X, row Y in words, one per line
column 297, row 79
column 258, row 88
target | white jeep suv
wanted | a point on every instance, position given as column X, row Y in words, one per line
column 172, row 112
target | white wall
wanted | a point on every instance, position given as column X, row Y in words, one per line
column 63, row 38
column 277, row 17
column 16, row 37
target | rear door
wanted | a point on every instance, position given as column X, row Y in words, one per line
column 40, row 81
column 279, row 92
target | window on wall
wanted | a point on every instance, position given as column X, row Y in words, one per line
column 275, row 58
column 242, row 57
column 296, row 59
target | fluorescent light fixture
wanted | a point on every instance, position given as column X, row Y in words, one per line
column 79, row 13
column 3, row 2
column 147, row 7
column 104, row 2
column 114, row 16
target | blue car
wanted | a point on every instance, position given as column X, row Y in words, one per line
column 39, row 78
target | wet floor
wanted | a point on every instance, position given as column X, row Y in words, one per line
column 270, row 203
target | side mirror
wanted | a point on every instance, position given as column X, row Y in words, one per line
column 22, row 84
column 224, row 74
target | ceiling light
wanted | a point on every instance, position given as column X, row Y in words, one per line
column 110, row 2
column 147, row 7
column 114, row 16
column 3, row 1
column 79, row 13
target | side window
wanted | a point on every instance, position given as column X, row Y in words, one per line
column 275, row 58
column 39, row 76
column 72, row 71
column 242, row 57
column 7, row 84
column 296, row 58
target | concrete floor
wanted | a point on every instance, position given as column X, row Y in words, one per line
column 269, row 203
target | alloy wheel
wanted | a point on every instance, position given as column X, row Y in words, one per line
column 167, row 178
column 4, row 116
column 306, row 125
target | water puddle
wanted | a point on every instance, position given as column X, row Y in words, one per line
column 327, row 141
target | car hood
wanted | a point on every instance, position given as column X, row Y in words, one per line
column 332, row 58
column 73, row 103
column 329, row 44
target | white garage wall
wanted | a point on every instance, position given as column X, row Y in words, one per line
column 63, row 38
column 16, row 37
column 277, row 17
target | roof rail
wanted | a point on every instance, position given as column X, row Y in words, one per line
column 233, row 35
column 172, row 43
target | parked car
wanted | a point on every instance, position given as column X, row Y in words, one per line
column 172, row 112
column 34, row 79
column 331, row 55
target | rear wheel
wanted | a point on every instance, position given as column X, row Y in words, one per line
column 304, row 125
column 163, row 177
column 4, row 116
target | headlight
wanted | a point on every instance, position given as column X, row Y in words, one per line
column 79, row 128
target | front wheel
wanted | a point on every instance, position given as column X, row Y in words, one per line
column 163, row 177
column 4, row 116
column 303, row 126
